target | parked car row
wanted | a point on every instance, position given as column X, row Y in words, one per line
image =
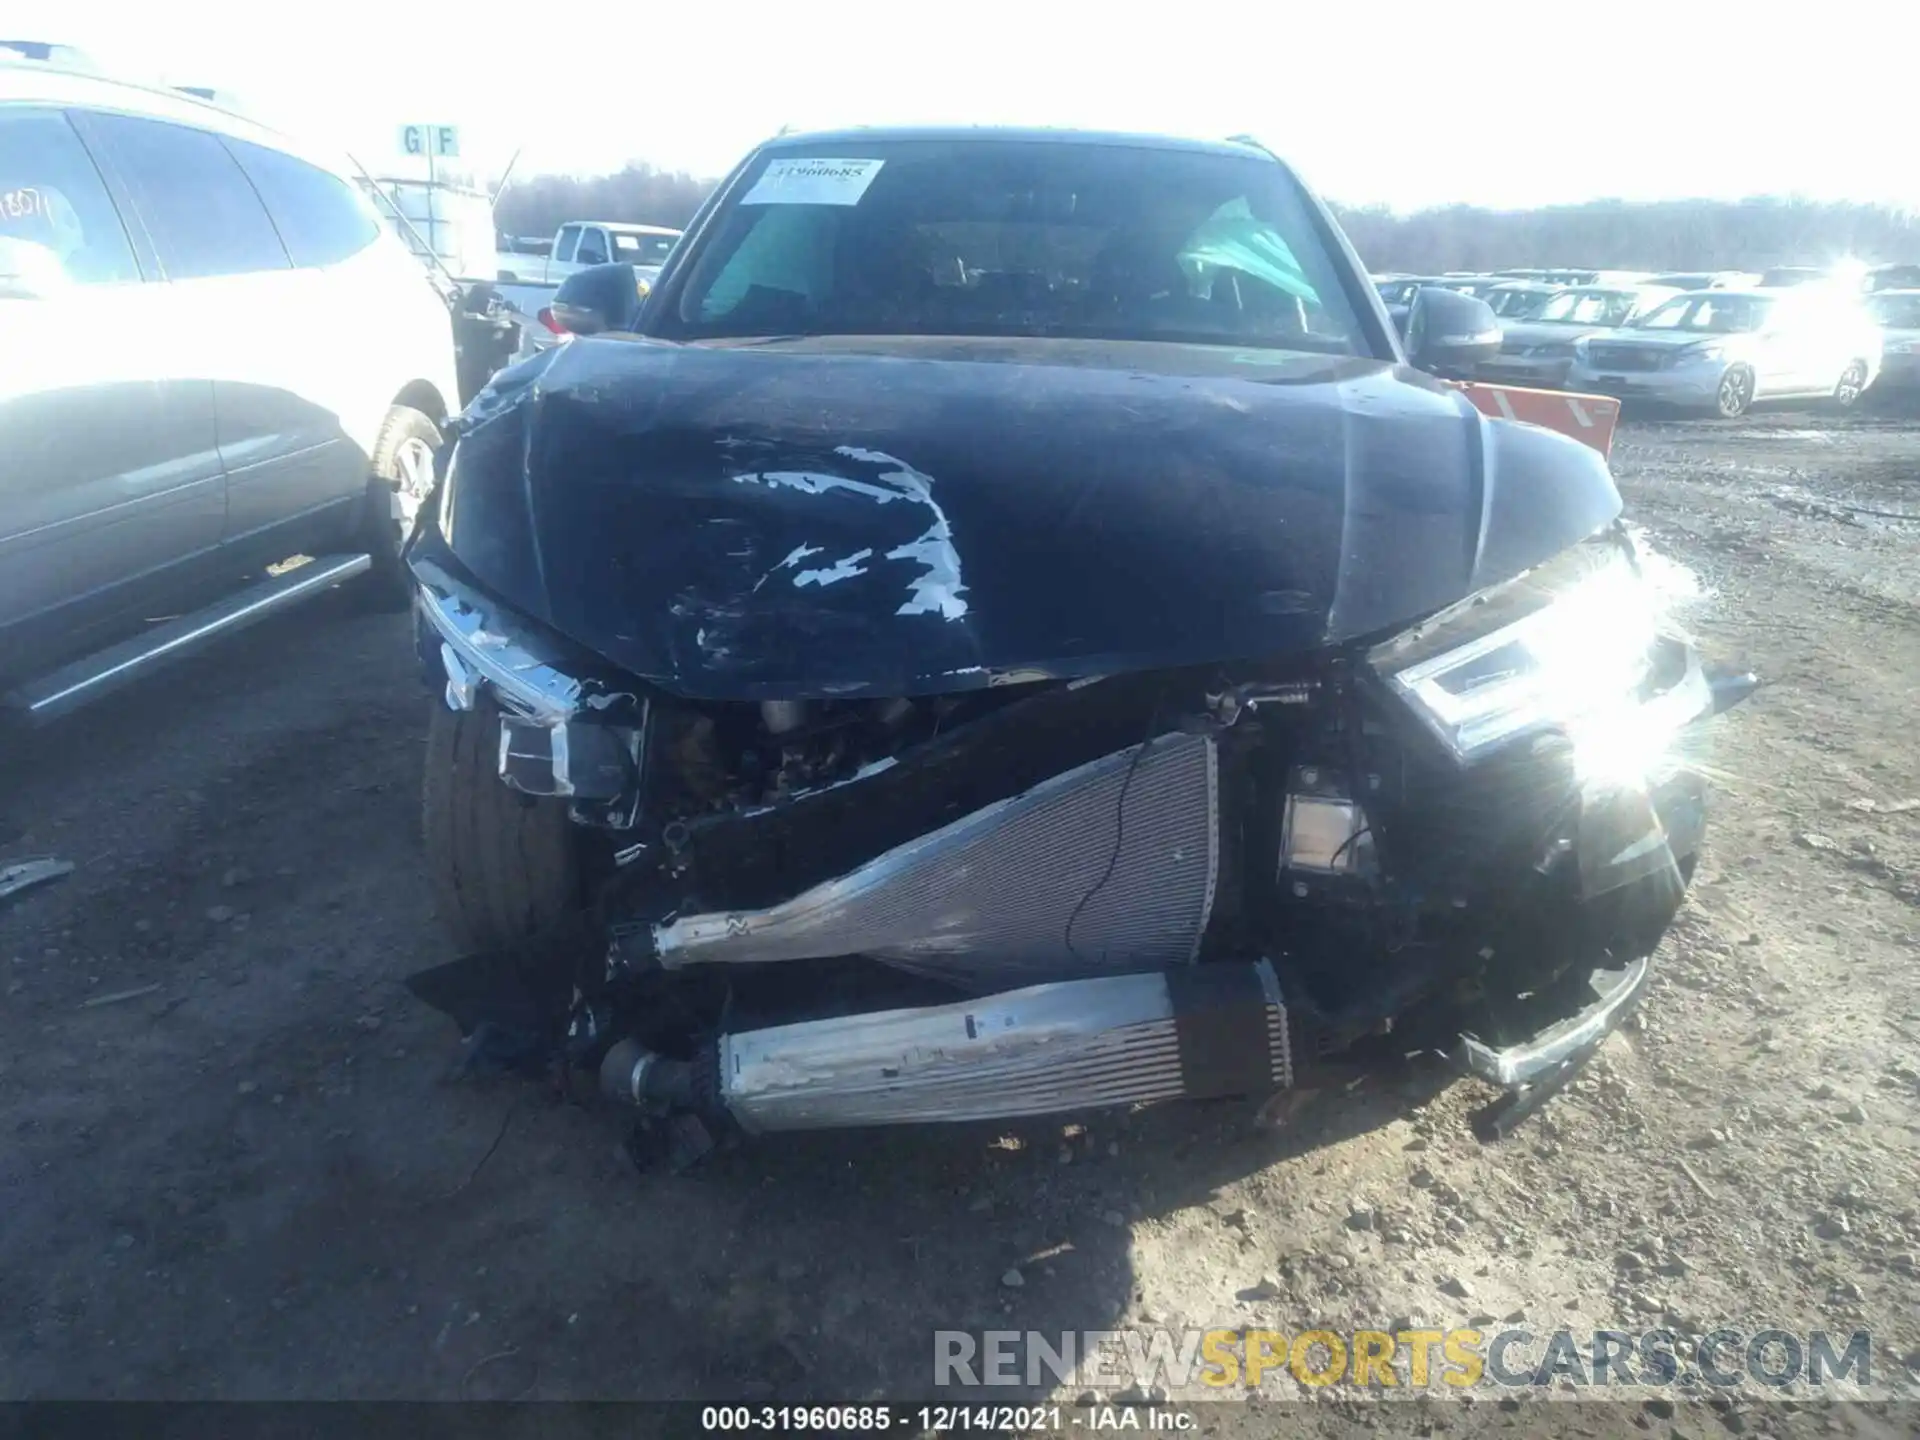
column 1725, row 349
column 1537, row 348
column 1717, row 341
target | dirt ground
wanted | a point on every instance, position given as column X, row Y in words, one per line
column 258, row 1179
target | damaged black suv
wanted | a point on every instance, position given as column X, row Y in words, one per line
column 1006, row 628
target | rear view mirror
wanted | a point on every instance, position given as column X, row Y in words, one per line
column 30, row 271
column 598, row 299
column 1449, row 333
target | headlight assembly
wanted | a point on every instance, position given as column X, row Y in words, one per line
column 1563, row 647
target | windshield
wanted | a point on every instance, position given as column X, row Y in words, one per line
column 1706, row 313
column 1587, row 307
column 1516, row 304
column 1896, row 312
column 1019, row 238
column 642, row 249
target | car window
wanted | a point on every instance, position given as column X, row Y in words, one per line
column 1728, row 315
column 53, row 199
column 320, row 217
column 642, row 249
column 1707, row 313
column 1515, row 304
column 569, row 237
column 1588, row 307
column 593, row 248
column 1667, row 316
column 203, row 214
column 1012, row 238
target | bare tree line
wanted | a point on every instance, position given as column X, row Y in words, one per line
column 1628, row 235
column 1615, row 234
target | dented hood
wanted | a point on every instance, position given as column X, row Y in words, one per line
column 821, row 517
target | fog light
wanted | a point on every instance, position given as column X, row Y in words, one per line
column 1322, row 829
column 572, row 760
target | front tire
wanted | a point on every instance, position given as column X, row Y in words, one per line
column 1735, row 395
column 505, row 866
column 403, row 467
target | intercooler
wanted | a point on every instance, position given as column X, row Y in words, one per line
column 1109, row 867
column 1194, row 1032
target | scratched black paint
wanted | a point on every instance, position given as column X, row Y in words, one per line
column 899, row 516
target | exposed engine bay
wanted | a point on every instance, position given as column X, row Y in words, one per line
column 1043, row 895
column 916, row 705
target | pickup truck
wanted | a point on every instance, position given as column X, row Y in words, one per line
column 580, row 243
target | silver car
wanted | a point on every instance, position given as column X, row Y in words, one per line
column 193, row 420
column 1721, row 350
column 1897, row 313
column 1538, row 351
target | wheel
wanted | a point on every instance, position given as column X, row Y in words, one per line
column 1735, row 394
column 402, row 480
column 1853, row 384
column 505, row 866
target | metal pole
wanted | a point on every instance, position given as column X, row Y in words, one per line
column 433, row 260
column 433, row 223
column 505, row 176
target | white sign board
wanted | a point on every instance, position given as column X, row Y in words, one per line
column 442, row 141
column 812, row 182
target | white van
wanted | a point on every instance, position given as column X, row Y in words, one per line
column 190, row 393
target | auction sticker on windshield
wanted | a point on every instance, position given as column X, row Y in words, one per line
column 813, row 182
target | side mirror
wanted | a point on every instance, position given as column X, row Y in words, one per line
column 30, row 271
column 598, row 299
column 1449, row 333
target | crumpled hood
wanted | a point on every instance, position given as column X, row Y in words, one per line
column 822, row 517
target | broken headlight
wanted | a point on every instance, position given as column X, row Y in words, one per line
column 1571, row 645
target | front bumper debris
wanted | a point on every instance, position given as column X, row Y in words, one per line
column 559, row 736
column 27, row 873
column 476, row 650
column 1535, row 1070
column 1607, row 817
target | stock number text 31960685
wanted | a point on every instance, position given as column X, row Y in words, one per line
column 801, row 1419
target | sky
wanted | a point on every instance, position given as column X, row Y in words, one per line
column 1402, row 104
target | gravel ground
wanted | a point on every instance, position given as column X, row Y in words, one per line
column 255, row 1177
